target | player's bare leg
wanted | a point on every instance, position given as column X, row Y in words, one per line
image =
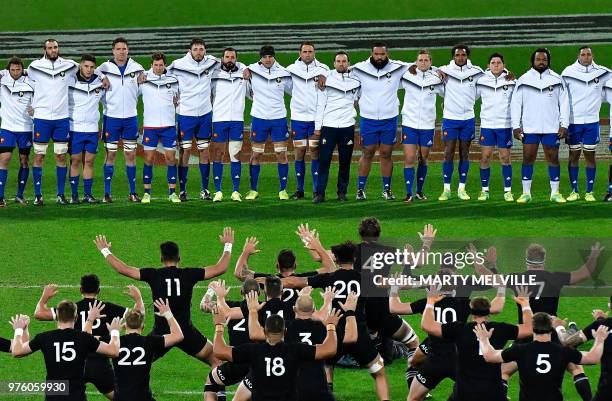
column 464, row 160
column 581, row 381
column 280, row 148
column 386, row 169
column 242, row 393
column 552, row 157
column 110, row 395
column 417, row 391
column 377, row 370
column 507, row 370
column 214, row 384
column 365, row 165
column 447, row 168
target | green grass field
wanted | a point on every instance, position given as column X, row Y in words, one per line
column 54, row 244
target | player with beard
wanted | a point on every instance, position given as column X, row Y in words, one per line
column 194, row 72
column 378, row 108
column 458, row 117
column 120, row 121
column 542, row 362
column 229, row 90
column 540, row 111
column 16, row 94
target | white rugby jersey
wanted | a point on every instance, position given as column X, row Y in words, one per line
column 158, row 93
column 336, row 103
column 460, row 90
column 585, row 90
column 15, row 97
column 305, row 78
column 540, row 104
column 496, row 95
column 50, row 80
column 419, row 109
column 379, row 88
column 194, row 79
column 268, row 86
column 83, row 102
column 229, row 90
column 121, row 98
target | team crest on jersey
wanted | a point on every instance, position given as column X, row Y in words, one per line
column 21, row 94
column 253, row 134
column 62, row 74
column 206, row 72
column 107, row 134
column 445, row 133
column 147, row 139
column 470, row 79
column 550, row 88
column 293, row 134
column 97, row 90
column 278, row 80
column 168, row 86
column 388, row 75
column 596, row 80
column 215, row 135
column 505, row 87
column 37, row 135
column 354, row 90
column 182, row 134
column 1, row 140
column 431, row 87
column 316, row 79
column 481, row 138
column 132, row 74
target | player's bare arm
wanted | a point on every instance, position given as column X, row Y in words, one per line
column 220, row 349
column 594, row 355
column 350, row 329
column 489, row 353
column 134, row 293
column 176, row 334
column 328, row 296
column 428, row 321
column 95, row 312
column 120, row 267
column 112, row 348
column 20, row 345
column 586, row 270
column 522, row 298
column 241, row 271
column 227, row 239
column 43, row 312
column 256, row 332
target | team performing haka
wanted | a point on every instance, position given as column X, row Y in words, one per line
column 282, row 347
column 199, row 100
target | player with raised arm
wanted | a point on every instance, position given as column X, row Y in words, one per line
column 16, row 94
column 540, row 112
column 194, row 72
column 159, row 96
column 476, row 379
column 345, row 280
column 120, row 121
column 132, row 366
column 495, row 89
column 584, row 81
column 542, row 362
column 66, row 349
column 176, row 284
column 84, row 96
column 458, row 118
column 269, row 82
column 275, row 363
column 98, row 370
column 229, row 90
column 604, row 387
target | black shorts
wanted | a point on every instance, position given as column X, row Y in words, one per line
column 484, row 389
column 192, row 343
column 99, row 372
column 380, row 319
column 6, row 149
column 435, row 369
column 232, row 373
column 604, row 388
column 363, row 350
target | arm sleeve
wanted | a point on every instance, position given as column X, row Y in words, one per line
column 320, row 280
column 572, row 355
column 452, row 330
column 289, row 85
column 510, row 331
column 516, row 107
column 197, row 274
column 562, row 278
column 511, row 354
column 242, row 353
column 321, row 103
column 564, row 106
column 587, row 330
column 35, row 343
column 91, row 343
column 147, row 274
column 156, row 344
column 418, row 307
column 5, row 345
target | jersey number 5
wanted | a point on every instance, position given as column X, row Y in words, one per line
column 543, row 364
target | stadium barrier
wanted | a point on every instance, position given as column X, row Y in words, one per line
column 436, row 154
